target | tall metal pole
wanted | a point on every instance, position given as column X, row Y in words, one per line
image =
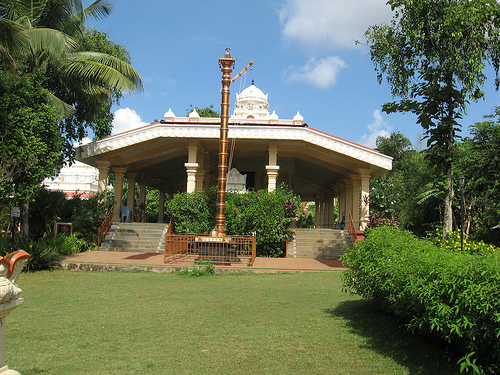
column 226, row 63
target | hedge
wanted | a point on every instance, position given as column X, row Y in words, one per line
column 439, row 291
column 268, row 214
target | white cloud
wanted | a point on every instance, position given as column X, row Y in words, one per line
column 321, row 72
column 329, row 24
column 378, row 128
column 126, row 119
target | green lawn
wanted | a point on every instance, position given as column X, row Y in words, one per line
column 147, row 323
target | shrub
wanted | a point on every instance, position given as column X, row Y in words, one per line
column 201, row 268
column 452, row 242
column 440, row 292
column 268, row 214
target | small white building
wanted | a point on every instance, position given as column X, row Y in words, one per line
column 77, row 179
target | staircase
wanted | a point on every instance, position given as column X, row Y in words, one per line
column 318, row 243
column 135, row 237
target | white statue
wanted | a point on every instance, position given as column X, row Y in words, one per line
column 10, row 269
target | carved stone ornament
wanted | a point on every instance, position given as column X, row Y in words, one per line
column 10, row 269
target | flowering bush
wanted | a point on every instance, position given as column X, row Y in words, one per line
column 452, row 242
column 268, row 214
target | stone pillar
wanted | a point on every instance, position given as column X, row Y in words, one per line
column 200, row 175
column 365, row 195
column 191, row 167
column 329, row 212
column 273, row 167
column 317, row 214
column 131, row 194
column 142, row 199
column 5, row 310
column 356, row 182
column 161, row 204
column 103, row 166
column 119, row 174
column 348, row 202
column 342, row 204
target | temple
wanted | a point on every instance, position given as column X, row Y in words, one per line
column 181, row 154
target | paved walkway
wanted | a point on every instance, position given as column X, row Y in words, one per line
column 117, row 260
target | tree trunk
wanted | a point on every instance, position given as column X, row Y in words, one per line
column 448, row 199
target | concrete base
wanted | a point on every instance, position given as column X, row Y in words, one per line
column 5, row 371
column 5, row 310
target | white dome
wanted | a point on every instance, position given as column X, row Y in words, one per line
column 194, row 114
column 251, row 103
column 169, row 114
column 298, row 117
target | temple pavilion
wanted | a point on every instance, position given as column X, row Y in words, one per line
column 180, row 154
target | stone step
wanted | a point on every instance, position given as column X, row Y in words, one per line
column 135, row 237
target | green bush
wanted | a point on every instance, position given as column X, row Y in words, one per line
column 441, row 292
column 268, row 214
column 452, row 242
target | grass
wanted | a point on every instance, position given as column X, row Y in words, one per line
column 147, row 323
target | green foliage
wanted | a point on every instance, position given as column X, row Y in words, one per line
column 433, row 57
column 479, row 161
column 439, row 292
column 203, row 112
column 411, row 192
column 452, row 242
column 86, row 215
column 202, row 268
column 268, row 214
column 29, row 137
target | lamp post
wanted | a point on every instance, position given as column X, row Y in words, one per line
column 461, row 182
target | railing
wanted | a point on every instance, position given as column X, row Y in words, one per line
column 355, row 234
column 228, row 250
column 106, row 224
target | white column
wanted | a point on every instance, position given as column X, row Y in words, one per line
column 348, row 202
column 5, row 310
column 191, row 167
column 119, row 174
column 142, row 199
column 161, row 205
column 365, row 195
column 273, row 167
column 317, row 213
column 356, row 182
column 103, row 166
column 131, row 193
column 200, row 175
column 342, row 205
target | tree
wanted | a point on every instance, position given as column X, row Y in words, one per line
column 31, row 140
column 433, row 56
column 203, row 112
column 479, row 162
column 47, row 33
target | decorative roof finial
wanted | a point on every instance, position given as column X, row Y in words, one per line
column 253, row 81
column 227, row 54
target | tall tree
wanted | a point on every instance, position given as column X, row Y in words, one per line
column 433, row 56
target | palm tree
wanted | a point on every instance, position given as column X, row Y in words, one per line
column 43, row 34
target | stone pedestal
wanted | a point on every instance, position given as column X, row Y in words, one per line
column 5, row 310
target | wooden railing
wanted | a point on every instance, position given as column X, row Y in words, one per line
column 106, row 224
column 355, row 234
column 228, row 250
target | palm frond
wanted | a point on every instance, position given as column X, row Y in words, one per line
column 64, row 110
column 103, row 69
column 51, row 41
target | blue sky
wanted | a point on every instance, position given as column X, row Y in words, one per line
column 304, row 57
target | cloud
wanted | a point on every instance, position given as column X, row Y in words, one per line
column 378, row 128
column 321, row 72
column 126, row 119
column 330, row 24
